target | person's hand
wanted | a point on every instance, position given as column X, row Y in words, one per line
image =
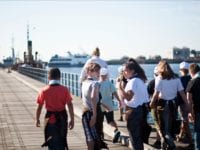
column 71, row 124
column 92, row 121
column 152, row 104
column 190, row 117
column 38, row 123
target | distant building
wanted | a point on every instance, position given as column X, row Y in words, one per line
column 181, row 53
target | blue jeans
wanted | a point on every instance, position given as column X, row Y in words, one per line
column 197, row 131
column 134, row 125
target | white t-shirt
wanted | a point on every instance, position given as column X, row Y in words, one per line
column 93, row 59
column 168, row 88
column 140, row 94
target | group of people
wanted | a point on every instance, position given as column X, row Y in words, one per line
column 162, row 96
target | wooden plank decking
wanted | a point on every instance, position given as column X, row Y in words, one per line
column 17, row 117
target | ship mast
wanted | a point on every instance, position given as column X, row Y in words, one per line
column 29, row 48
column 13, row 50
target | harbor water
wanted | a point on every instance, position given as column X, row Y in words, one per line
column 113, row 70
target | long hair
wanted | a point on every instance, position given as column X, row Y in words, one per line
column 165, row 70
column 133, row 65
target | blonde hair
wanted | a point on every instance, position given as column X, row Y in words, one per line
column 96, row 52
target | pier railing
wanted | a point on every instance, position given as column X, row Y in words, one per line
column 70, row 80
column 36, row 73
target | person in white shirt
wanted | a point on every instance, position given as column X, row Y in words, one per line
column 167, row 84
column 135, row 95
column 94, row 59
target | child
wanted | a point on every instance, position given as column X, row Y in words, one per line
column 90, row 98
column 121, row 81
column 185, row 132
column 106, row 90
column 55, row 97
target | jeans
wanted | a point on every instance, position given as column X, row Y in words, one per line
column 197, row 131
column 134, row 125
column 166, row 116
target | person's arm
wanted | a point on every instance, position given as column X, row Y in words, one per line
column 184, row 98
column 94, row 96
column 38, row 112
column 189, row 97
column 154, row 98
column 71, row 114
column 127, row 95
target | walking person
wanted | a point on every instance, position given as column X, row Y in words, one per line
column 193, row 96
column 55, row 97
column 135, row 94
column 121, row 81
column 150, row 88
column 108, row 91
column 167, row 84
column 90, row 97
column 185, row 132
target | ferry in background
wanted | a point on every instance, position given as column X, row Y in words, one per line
column 71, row 60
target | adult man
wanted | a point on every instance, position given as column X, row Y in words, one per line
column 193, row 95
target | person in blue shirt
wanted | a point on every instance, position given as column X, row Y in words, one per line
column 107, row 89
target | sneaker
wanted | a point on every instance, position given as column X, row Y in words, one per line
column 116, row 136
column 157, row 144
column 190, row 147
column 120, row 119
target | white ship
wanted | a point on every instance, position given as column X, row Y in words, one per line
column 71, row 60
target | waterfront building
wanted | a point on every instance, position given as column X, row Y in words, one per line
column 181, row 53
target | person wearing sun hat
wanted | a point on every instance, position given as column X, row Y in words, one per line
column 185, row 132
column 107, row 89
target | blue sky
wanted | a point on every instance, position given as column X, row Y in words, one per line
column 118, row 28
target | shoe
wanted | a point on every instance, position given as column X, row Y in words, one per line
column 190, row 147
column 120, row 119
column 104, row 145
column 116, row 136
column 157, row 144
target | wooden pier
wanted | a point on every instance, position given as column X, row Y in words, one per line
column 17, row 118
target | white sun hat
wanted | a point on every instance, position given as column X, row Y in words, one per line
column 103, row 71
column 184, row 65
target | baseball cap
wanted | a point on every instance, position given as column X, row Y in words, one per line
column 184, row 65
column 103, row 71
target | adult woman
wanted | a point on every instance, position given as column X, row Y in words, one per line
column 167, row 84
column 135, row 94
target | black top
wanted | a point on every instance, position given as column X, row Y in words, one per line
column 151, row 87
column 193, row 87
column 184, row 81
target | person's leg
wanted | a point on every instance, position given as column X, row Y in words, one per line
column 110, row 120
column 90, row 145
column 197, row 131
column 134, row 126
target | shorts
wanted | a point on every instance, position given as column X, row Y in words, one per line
column 109, row 116
column 90, row 132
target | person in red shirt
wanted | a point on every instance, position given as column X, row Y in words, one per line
column 55, row 97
